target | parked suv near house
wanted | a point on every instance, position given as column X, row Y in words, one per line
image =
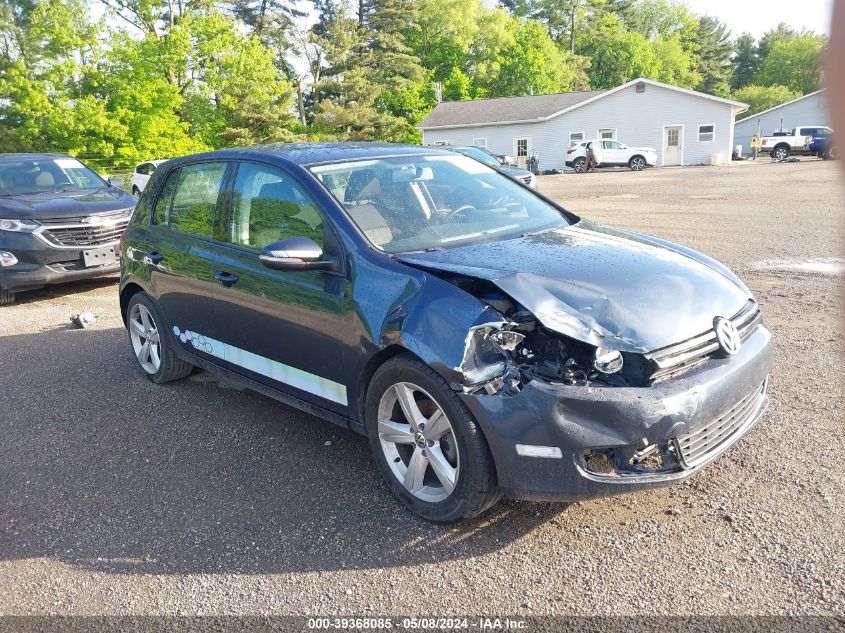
column 59, row 221
column 485, row 340
column 609, row 153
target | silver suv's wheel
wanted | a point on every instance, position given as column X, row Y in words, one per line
column 426, row 442
column 154, row 351
column 418, row 442
column 146, row 340
column 637, row 163
column 580, row 165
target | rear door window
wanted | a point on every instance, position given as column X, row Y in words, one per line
column 188, row 199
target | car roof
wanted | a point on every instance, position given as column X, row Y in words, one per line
column 19, row 156
column 307, row 154
column 153, row 162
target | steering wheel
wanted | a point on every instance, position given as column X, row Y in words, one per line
column 460, row 209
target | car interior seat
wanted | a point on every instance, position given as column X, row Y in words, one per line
column 45, row 180
column 362, row 188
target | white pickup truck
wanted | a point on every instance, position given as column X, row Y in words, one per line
column 782, row 144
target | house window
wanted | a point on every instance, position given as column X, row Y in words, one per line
column 706, row 133
column 607, row 132
column 480, row 142
column 521, row 147
column 575, row 138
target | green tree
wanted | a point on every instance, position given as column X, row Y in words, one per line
column 715, row 50
column 794, row 62
column 781, row 33
column 676, row 65
column 761, row 98
column 515, row 56
column 618, row 55
column 365, row 57
column 745, row 61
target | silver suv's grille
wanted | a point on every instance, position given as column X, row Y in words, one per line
column 697, row 446
column 692, row 351
column 71, row 232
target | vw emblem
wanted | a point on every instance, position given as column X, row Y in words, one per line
column 727, row 335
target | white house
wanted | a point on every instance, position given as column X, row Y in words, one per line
column 810, row 109
column 684, row 126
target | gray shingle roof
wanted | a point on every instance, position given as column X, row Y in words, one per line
column 503, row 109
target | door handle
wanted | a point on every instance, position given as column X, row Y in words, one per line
column 227, row 279
column 156, row 258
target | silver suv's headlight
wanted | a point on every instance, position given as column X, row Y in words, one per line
column 18, row 226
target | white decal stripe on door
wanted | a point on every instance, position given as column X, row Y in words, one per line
column 292, row 376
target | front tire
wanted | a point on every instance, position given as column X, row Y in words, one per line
column 427, row 444
column 831, row 153
column 579, row 165
column 6, row 297
column 154, row 351
column 637, row 163
column 781, row 152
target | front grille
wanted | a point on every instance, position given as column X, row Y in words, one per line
column 685, row 354
column 697, row 446
column 106, row 229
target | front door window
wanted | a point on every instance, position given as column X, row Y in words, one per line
column 269, row 206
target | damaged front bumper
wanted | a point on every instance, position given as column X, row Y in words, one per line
column 552, row 441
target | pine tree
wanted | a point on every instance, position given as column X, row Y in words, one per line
column 745, row 61
column 715, row 51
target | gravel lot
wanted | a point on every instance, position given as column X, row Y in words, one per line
column 121, row 497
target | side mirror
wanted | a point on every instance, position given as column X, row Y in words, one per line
column 116, row 182
column 295, row 253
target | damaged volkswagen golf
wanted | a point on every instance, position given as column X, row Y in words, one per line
column 485, row 340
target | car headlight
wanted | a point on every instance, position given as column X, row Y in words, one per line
column 18, row 226
column 607, row 361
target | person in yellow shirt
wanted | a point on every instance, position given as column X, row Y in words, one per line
column 755, row 146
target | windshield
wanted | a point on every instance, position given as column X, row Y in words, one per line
column 480, row 156
column 417, row 203
column 27, row 176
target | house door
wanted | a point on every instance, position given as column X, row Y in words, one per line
column 522, row 146
column 672, row 145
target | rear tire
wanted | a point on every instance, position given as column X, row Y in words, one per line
column 831, row 153
column 446, row 470
column 781, row 152
column 154, row 350
column 637, row 163
column 579, row 165
column 6, row 297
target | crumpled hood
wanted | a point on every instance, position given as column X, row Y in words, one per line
column 602, row 285
column 65, row 204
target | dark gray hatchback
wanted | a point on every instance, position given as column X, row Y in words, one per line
column 485, row 340
column 59, row 222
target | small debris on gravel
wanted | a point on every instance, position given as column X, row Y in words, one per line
column 84, row 319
